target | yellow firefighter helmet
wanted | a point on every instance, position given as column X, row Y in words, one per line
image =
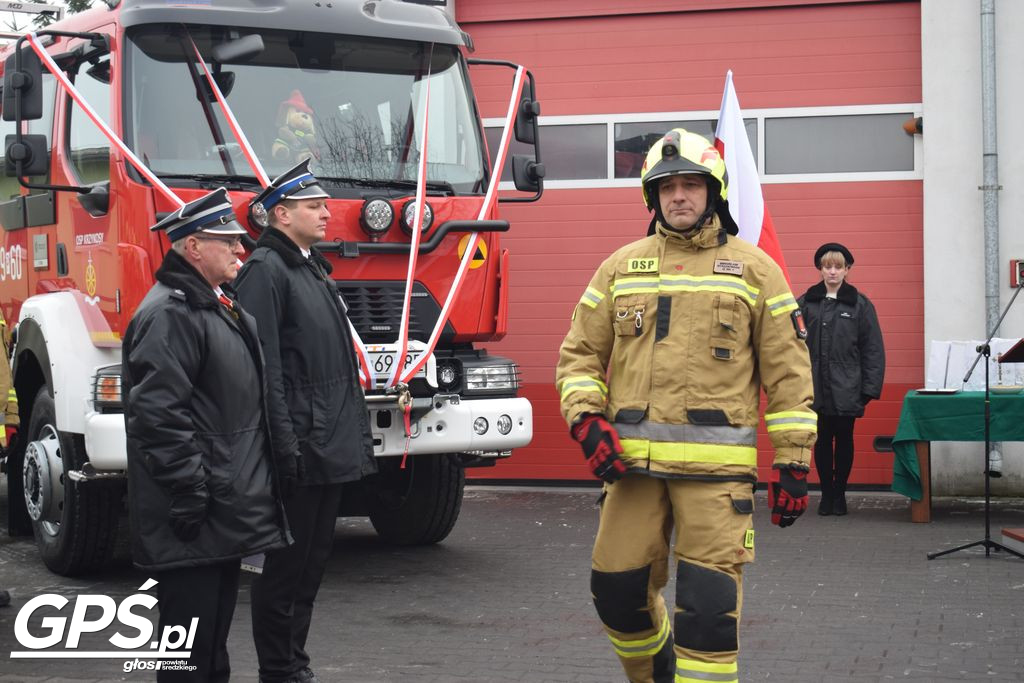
column 680, row 152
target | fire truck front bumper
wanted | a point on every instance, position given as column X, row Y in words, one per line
column 452, row 424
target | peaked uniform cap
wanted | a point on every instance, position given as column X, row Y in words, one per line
column 297, row 182
column 211, row 213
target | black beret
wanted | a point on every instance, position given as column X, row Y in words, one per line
column 832, row 246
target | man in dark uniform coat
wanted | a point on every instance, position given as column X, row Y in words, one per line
column 318, row 413
column 200, row 472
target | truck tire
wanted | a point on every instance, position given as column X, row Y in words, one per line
column 74, row 523
column 418, row 505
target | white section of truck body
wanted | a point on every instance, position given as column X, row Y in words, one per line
column 72, row 355
column 105, row 441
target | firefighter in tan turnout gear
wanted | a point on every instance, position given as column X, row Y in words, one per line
column 11, row 420
column 660, row 379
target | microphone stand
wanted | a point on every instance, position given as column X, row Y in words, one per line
column 986, row 351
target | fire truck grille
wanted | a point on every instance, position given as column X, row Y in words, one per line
column 375, row 309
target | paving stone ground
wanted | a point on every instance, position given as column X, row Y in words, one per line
column 506, row 598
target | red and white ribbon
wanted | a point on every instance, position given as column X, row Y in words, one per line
column 414, row 247
column 52, row 67
column 485, row 209
column 367, row 376
column 236, row 129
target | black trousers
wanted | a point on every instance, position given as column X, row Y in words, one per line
column 207, row 593
column 283, row 595
column 833, row 453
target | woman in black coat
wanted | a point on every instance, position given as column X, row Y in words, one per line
column 848, row 363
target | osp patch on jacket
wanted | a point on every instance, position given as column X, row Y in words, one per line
column 642, row 265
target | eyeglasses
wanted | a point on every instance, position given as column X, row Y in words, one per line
column 232, row 242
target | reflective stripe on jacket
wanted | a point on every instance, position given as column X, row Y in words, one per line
column 672, row 341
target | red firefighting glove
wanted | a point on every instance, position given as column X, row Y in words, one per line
column 787, row 495
column 188, row 510
column 601, row 447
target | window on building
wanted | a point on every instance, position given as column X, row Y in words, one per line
column 835, row 143
column 88, row 147
column 569, row 152
column 632, row 140
column 838, row 144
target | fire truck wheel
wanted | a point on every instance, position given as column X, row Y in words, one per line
column 74, row 523
column 417, row 505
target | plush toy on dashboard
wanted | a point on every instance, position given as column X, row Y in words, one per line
column 296, row 134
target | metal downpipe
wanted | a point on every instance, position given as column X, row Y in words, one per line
column 990, row 156
column 990, row 197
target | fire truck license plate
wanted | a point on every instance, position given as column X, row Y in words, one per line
column 382, row 360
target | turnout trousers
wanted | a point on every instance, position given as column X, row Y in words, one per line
column 711, row 523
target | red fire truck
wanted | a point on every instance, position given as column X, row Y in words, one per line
column 77, row 256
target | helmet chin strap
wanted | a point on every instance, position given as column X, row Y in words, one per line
column 697, row 225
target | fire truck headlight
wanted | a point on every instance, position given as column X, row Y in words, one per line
column 447, row 374
column 409, row 216
column 376, row 217
column 504, row 424
column 491, row 379
column 480, row 426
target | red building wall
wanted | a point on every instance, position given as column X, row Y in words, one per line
column 650, row 59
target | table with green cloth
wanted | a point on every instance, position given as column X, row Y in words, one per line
column 949, row 417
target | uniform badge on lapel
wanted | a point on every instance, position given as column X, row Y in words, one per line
column 727, row 267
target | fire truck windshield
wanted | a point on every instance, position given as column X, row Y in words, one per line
column 352, row 104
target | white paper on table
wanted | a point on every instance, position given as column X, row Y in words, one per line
column 937, row 366
column 949, row 361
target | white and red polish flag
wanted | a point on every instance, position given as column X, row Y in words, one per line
column 746, row 202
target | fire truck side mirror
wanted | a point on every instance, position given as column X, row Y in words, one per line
column 33, row 153
column 526, row 173
column 28, row 82
column 96, row 201
column 100, row 71
column 526, row 119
